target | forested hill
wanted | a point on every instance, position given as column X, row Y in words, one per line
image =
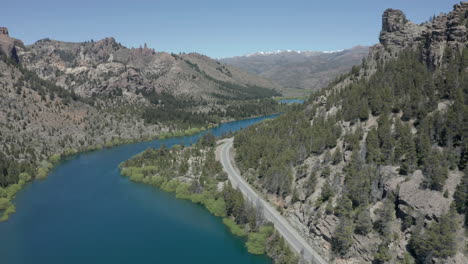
column 373, row 169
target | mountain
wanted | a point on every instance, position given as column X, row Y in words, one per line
column 303, row 71
column 106, row 67
column 374, row 168
column 60, row 98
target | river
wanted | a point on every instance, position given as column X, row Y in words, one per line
column 86, row 212
column 291, row 101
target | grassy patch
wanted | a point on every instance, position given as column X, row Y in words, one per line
column 235, row 229
column 256, row 243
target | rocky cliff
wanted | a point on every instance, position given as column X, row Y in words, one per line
column 8, row 45
column 432, row 38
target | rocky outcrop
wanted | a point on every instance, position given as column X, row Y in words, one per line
column 3, row 31
column 433, row 37
column 9, row 46
column 414, row 201
column 397, row 31
column 445, row 31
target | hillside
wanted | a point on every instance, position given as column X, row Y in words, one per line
column 373, row 169
column 300, row 71
column 105, row 67
column 62, row 98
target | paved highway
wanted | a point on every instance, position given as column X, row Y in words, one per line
column 296, row 241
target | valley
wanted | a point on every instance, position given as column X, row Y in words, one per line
column 124, row 154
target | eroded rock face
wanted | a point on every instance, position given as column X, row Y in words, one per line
column 105, row 67
column 393, row 20
column 9, row 46
column 433, row 37
column 397, row 31
column 413, row 199
column 3, row 31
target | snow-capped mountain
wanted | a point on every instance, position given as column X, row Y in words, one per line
column 306, row 70
column 279, row 52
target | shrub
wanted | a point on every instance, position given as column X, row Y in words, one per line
column 54, row 159
column 24, row 176
column 256, row 243
column 216, row 207
column 170, row 186
column 235, row 229
column 4, row 203
column 42, row 173
column 183, row 192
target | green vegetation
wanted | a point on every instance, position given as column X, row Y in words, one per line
column 256, row 243
column 6, row 195
column 11, row 169
column 192, row 173
column 461, row 196
column 281, row 252
column 179, row 111
column 342, row 238
column 437, row 241
column 234, row 228
column 274, row 147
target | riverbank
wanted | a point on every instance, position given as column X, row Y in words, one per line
column 44, row 167
column 192, row 173
column 86, row 208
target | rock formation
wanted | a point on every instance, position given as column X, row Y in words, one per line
column 433, row 37
column 8, row 46
column 105, row 67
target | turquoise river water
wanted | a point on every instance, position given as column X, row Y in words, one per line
column 86, row 212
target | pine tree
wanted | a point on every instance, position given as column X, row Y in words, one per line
column 343, row 236
column 439, row 239
column 373, row 150
column 382, row 255
column 363, row 222
column 461, row 196
column 435, row 172
column 344, row 207
column 384, row 133
column 386, row 216
column 337, row 156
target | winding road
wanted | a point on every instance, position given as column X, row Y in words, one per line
column 296, row 241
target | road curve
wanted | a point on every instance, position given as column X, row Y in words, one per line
column 296, row 241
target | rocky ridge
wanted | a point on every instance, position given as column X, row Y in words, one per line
column 8, row 45
column 105, row 67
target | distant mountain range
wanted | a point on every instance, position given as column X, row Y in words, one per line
column 302, row 71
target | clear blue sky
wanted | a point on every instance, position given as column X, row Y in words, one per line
column 217, row 28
